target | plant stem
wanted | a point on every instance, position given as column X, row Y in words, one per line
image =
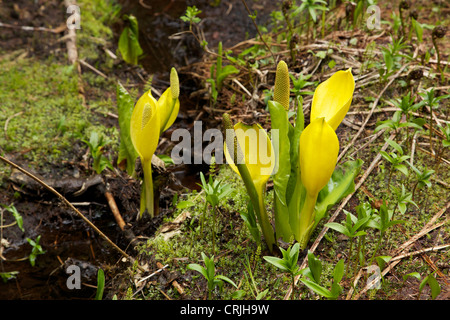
column 376, row 248
column 203, row 216
column 306, row 220
column 148, row 185
column 214, row 231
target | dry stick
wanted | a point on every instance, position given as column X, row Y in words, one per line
column 338, row 210
column 408, row 254
column 428, row 227
column 115, row 210
column 63, row 199
column 375, row 103
column 30, row 28
column 72, row 54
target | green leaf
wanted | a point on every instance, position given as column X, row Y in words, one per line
column 382, row 260
column 125, row 105
column 418, row 28
column 225, row 72
column 338, row 227
column 277, row 262
column 402, row 168
column 11, row 208
column 185, row 204
column 315, row 266
column 262, row 294
column 198, row 268
column 318, row 289
column 340, row 185
column 434, row 286
column 129, row 42
column 226, row 279
column 167, row 160
column 100, row 284
column 279, row 122
column 338, row 271
column 412, row 274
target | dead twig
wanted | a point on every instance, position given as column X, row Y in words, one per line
column 113, row 206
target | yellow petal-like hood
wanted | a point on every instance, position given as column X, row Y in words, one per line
column 319, row 148
column 259, row 155
column 144, row 126
column 333, row 97
column 168, row 109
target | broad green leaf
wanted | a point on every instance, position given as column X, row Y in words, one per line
column 279, row 122
column 262, row 294
column 129, row 42
column 382, row 260
column 338, row 227
column 277, row 262
column 125, row 105
column 338, row 271
column 340, row 185
column 434, row 286
column 315, row 266
column 412, row 274
column 318, row 289
column 226, row 279
column 185, row 204
column 294, row 140
column 198, row 268
column 167, row 160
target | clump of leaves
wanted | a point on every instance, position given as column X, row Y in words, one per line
column 289, row 261
column 209, row 272
column 215, row 191
column 96, row 144
column 314, row 272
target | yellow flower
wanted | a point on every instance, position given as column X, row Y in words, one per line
column 149, row 119
column 333, row 97
column 251, row 155
column 144, row 131
column 145, row 126
column 259, row 155
column 168, row 103
column 319, row 148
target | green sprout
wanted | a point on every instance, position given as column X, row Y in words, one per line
column 209, row 272
column 36, row 250
column 289, row 261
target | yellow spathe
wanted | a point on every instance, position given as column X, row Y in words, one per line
column 145, row 126
column 319, row 148
column 259, row 155
column 333, row 97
